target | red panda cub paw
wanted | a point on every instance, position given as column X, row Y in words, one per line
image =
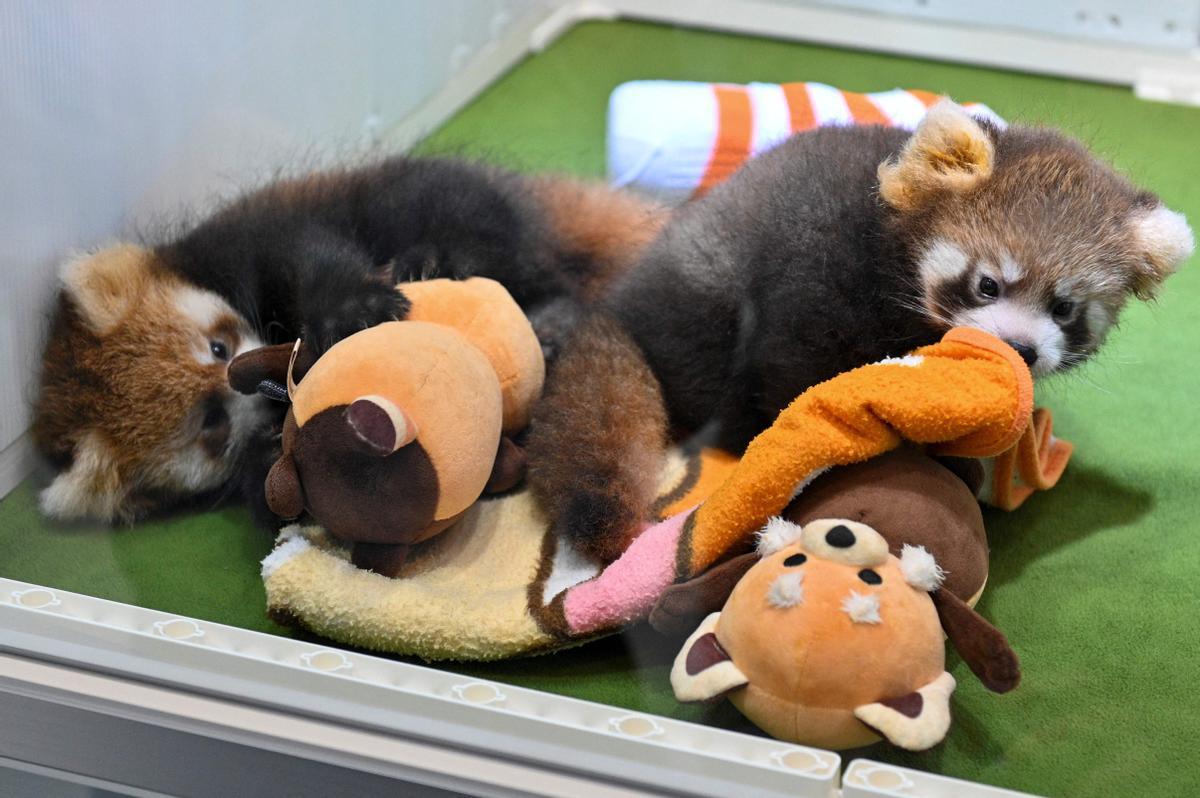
column 332, row 318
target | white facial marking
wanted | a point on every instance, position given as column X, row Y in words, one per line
column 89, row 488
column 202, row 307
column 1010, row 270
column 920, row 569
column 940, row 262
column 192, row 468
column 1010, row 320
column 246, row 342
column 1099, row 317
column 777, row 534
column 786, row 591
column 862, row 608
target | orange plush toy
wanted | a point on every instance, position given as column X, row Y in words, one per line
column 395, row 431
column 832, row 632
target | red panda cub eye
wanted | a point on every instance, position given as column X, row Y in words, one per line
column 1062, row 309
column 988, row 288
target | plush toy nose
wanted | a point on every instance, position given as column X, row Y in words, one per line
column 379, row 425
column 844, row 541
column 840, row 537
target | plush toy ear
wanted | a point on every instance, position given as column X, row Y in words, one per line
column 268, row 364
column 285, row 494
column 1165, row 240
column 982, row 646
column 509, row 468
column 703, row 671
column 949, row 151
column 104, row 285
column 379, row 426
column 916, row 721
column 681, row 606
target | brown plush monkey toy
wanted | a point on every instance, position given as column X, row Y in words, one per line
column 395, row 431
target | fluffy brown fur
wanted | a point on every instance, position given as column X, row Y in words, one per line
column 608, row 228
column 622, row 411
column 840, row 247
column 112, row 386
column 134, row 410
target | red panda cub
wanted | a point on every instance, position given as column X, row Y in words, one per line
column 134, row 410
column 840, row 247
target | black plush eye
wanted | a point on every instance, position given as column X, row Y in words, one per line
column 1062, row 308
column 219, row 350
column 870, row 577
column 989, row 287
column 794, row 560
column 214, row 416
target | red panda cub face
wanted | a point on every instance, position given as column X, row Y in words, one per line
column 135, row 408
column 1024, row 234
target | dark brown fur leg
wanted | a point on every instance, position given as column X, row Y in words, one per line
column 597, row 440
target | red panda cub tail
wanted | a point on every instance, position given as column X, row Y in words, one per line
column 597, row 440
column 604, row 229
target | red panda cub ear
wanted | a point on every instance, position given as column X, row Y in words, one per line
column 104, row 285
column 949, row 151
column 1165, row 241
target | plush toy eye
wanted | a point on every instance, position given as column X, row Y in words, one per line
column 794, row 560
column 1062, row 308
column 989, row 287
column 870, row 577
column 219, row 350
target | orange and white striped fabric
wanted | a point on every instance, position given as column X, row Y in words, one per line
column 675, row 139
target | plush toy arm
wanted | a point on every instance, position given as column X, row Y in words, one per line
column 682, row 605
column 285, row 495
column 268, row 363
column 982, row 646
column 509, row 468
column 702, row 670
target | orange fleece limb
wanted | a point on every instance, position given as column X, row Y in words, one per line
column 968, row 395
column 1034, row 463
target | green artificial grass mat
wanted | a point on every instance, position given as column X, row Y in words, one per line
column 1095, row 583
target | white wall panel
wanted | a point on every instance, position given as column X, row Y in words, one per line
column 1173, row 24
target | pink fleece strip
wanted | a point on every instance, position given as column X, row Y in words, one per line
column 627, row 589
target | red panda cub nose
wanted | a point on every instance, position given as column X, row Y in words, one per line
column 1027, row 352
